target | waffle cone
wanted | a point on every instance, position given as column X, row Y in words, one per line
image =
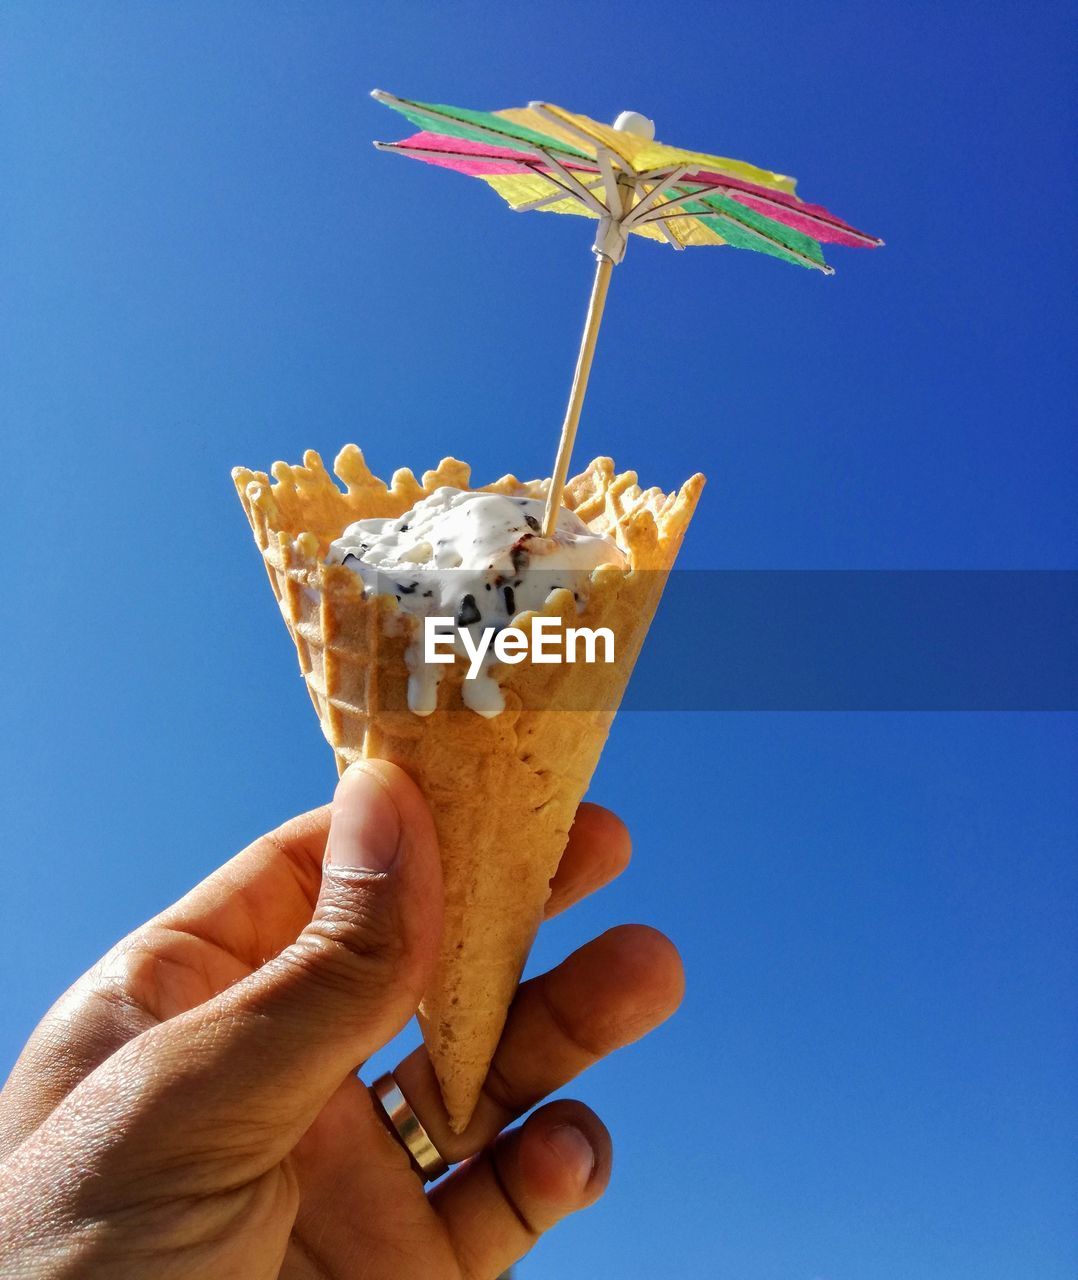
column 503, row 791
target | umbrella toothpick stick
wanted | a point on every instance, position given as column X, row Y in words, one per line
column 546, row 158
column 601, row 283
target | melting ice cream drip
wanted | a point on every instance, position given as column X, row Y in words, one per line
column 478, row 558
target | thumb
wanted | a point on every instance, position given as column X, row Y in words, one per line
column 273, row 1048
column 356, row 973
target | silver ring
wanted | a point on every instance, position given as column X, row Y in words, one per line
column 405, row 1124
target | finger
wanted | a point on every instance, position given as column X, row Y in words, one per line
column 359, row 1193
column 214, row 936
column 598, row 851
column 256, row 904
column 250, row 1069
column 499, row 1204
column 608, row 994
column 229, row 925
column 355, row 974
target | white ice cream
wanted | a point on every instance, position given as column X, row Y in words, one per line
column 479, row 558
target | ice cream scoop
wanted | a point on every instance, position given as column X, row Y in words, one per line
column 478, row 558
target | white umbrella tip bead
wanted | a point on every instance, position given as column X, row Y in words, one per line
column 633, row 122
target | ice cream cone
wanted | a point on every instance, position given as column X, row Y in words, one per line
column 503, row 790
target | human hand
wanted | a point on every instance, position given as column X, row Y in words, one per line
column 190, row 1107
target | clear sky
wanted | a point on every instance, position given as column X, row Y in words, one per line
column 205, row 263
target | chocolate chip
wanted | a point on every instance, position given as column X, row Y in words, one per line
column 427, row 595
column 403, row 529
column 405, row 589
column 510, row 601
column 467, row 612
column 519, row 558
column 533, row 523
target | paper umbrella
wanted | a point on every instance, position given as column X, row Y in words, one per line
column 545, row 158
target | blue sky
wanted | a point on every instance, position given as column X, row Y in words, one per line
column 205, row 263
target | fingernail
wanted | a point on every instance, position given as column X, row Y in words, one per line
column 575, row 1152
column 365, row 830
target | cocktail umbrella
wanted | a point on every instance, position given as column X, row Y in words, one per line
column 545, row 158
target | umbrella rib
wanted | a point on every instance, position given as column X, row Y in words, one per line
column 380, row 95
column 521, row 157
column 669, row 236
column 405, row 149
column 571, row 188
column 659, row 211
column 659, row 216
column 562, row 193
column 584, row 195
column 800, row 210
column 541, row 109
column 662, row 179
column 610, row 181
column 651, row 175
column 871, row 242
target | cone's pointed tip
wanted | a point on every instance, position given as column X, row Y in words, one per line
column 459, row 1120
